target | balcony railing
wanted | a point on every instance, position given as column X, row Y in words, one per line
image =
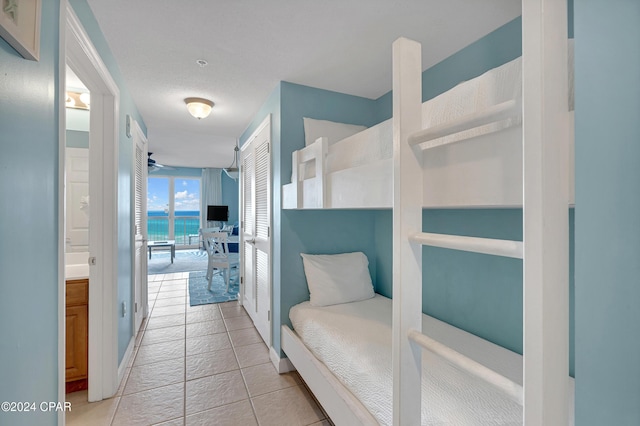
column 185, row 229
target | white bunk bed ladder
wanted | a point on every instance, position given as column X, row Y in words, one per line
column 545, row 212
column 408, row 339
column 545, row 224
column 315, row 187
column 407, row 220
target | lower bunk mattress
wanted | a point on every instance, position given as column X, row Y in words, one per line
column 354, row 341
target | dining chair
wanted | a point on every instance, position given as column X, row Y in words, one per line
column 220, row 260
column 201, row 230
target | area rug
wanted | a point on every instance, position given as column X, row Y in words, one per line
column 185, row 261
column 199, row 294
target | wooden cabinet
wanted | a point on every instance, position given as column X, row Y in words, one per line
column 77, row 338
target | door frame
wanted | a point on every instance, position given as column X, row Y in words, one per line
column 77, row 51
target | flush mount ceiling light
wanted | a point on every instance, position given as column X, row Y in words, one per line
column 233, row 171
column 199, row 107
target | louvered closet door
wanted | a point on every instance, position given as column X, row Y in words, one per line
column 248, row 230
column 140, row 226
column 256, row 213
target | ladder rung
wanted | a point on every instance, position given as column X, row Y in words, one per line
column 512, row 389
column 493, row 114
column 506, row 248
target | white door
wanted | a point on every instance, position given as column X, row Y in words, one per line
column 77, row 202
column 255, row 187
column 140, row 226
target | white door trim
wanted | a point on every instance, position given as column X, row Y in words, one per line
column 83, row 58
column 62, row 132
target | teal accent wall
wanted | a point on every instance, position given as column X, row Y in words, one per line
column 29, row 124
column 125, row 165
column 478, row 293
column 230, row 195
column 319, row 231
column 607, row 82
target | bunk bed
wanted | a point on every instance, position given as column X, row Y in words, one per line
column 357, row 171
column 363, row 363
column 532, row 389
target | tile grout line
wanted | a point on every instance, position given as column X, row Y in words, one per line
column 233, row 347
column 142, row 330
column 142, row 333
column 184, row 383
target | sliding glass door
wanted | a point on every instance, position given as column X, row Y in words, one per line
column 186, row 211
column 173, row 205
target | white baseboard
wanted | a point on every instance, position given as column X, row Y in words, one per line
column 283, row 365
column 126, row 361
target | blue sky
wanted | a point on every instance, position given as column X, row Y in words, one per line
column 187, row 194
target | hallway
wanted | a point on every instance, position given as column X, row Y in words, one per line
column 200, row 365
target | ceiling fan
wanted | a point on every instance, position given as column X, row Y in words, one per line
column 153, row 165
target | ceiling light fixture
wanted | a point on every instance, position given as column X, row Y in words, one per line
column 233, row 171
column 199, row 107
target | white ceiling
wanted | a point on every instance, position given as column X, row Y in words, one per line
column 251, row 45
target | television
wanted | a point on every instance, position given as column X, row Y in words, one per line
column 218, row 213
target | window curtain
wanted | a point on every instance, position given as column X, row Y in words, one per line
column 211, row 192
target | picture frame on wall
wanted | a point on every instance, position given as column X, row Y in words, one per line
column 20, row 26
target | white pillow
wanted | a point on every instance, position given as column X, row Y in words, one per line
column 314, row 129
column 337, row 278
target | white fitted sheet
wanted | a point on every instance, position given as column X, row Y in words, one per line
column 354, row 341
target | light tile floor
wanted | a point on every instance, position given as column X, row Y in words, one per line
column 200, row 365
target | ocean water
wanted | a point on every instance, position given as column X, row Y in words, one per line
column 185, row 223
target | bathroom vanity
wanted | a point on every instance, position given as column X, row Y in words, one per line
column 77, row 326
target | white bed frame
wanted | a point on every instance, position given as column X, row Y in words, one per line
column 546, row 391
column 484, row 171
column 342, row 407
column 493, row 363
